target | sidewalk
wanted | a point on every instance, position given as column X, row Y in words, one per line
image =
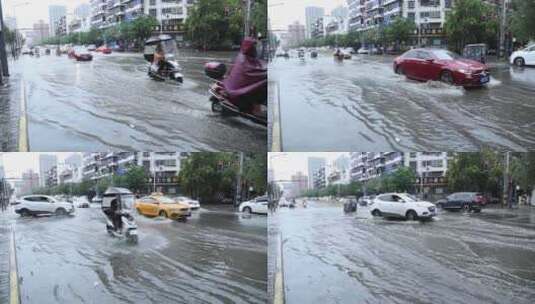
column 10, row 113
column 4, row 259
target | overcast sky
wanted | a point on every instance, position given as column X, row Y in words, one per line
column 17, row 163
column 29, row 12
column 284, row 165
column 284, row 12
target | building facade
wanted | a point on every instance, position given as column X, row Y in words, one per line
column 368, row 165
column 46, row 162
column 41, row 31
column 312, row 14
column 51, row 177
column 320, row 181
column 300, row 183
column 314, row 164
column 56, row 14
column 30, row 181
column 431, row 169
column 295, row 35
column 429, row 16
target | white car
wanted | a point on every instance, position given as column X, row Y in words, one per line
column 42, row 204
column 193, row 204
column 257, row 205
column 523, row 57
column 363, row 50
column 402, row 205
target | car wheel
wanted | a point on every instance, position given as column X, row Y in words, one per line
column 24, row 212
column 376, row 212
column 446, row 77
column 61, row 211
column 399, row 70
column 248, row 210
column 466, row 208
column 411, row 215
column 519, row 62
column 162, row 213
column 440, row 206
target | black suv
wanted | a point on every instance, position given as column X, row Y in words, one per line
column 465, row 201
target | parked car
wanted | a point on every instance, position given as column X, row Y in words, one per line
column 104, row 50
column 91, row 47
column 523, row 57
column 465, row 201
column 193, row 204
column 158, row 204
column 42, row 204
column 402, row 205
column 443, row 65
column 82, row 202
column 258, row 205
column 97, row 199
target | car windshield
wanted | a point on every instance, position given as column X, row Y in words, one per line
column 445, row 55
column 408, row 198
column 169, row 47
column 166, row 200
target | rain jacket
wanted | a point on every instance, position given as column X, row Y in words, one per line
column 247, row 81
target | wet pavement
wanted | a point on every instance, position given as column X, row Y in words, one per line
column 361, row 104
column 4, row 260
column 9, row 113
column 218, row 256
column 111, row 104
column 331, row 257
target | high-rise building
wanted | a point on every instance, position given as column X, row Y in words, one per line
column 41, row 31
column 46, row 162
column 296, row 34
column 51, row 177
column 431, row 169
column 30, row 181
column 300, row 182
column 320, row 180
column 312, row 14
column 368, row 165
column 57, row 15
column 314, row 164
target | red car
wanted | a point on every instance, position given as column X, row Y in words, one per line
column 443, row 65
column 104, row 50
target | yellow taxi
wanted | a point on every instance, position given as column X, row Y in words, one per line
column 158, row 204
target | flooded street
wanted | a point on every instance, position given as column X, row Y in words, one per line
column 456, row 258
column 218, row 256
column 111, row 104
column 361, row 104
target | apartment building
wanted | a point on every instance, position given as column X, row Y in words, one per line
column 51, row 177
column 368, row 165
column 429, row 16
column 431, row 169
column 312, row 14
column 314, row 164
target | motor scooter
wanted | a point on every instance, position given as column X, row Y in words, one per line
column 117, row 205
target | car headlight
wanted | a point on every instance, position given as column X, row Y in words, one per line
column 464, row 71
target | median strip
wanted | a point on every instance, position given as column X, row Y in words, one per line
column 14, row 290
column 23, row 122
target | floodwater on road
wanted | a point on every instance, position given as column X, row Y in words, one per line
column 362, row 104
column 217, row 256
column 332, row 257
column 111, row 104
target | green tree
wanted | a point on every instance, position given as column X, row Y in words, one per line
column 523, row 170
column 476, row 171
column 400, row 30
column 142, row 28
column 136, row 179
column 522, row 20
column 470, row 21
column 255, row 172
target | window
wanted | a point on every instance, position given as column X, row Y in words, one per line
column 152, row 2
column 424, row 55
column 411, row 16
column 411, row 4
column 431, row 14
column 165, row 162
column 153, row 12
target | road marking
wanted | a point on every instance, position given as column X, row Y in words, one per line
column 278, row 290
column 14, row 291
column 23, row 123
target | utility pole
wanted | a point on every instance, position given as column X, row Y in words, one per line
column 506, row 179
column 237, row 200
column 503, row 23
column 3, row 55
column 247, row 18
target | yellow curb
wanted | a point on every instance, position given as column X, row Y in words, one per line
column 278, row 289
column 276, row 145
column 14, row 291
